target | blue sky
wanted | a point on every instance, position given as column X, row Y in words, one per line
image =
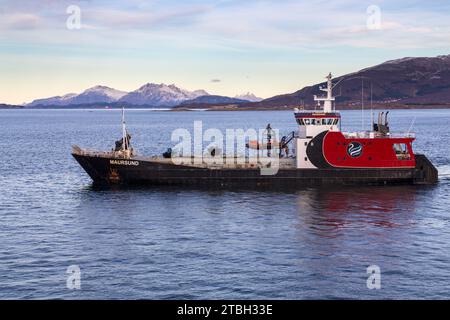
column 265, row 47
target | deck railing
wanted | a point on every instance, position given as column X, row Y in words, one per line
column 79, row 151
column 374, row 135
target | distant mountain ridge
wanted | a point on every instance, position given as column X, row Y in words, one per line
column 406, row 81
column 150, row 94
column 97, row 94
column 249, row 97
column 10, row 106
column 160, row 95
column 212, row 99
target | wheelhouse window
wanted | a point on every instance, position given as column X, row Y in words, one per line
column 317, row 122
column 401, row 151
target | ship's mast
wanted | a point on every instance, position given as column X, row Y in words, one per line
column 124, row 132
column 328, row 100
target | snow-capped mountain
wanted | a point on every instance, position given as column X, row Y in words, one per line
column 101, row 92
column 249, row 97
column 97, row 94
column 160, row 95
column 53, row 101
column 150, row 94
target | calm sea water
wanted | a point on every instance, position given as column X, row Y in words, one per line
column 161, row 243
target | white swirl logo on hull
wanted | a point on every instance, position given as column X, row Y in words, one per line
column 354, row 149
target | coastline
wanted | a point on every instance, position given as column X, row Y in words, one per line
column 289, row 108
column 235, row 107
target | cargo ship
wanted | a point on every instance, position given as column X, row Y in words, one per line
column 318, row 153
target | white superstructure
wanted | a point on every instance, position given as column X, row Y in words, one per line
column 313, row 122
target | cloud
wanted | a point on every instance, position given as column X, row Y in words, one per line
column 20, row 21
column 235, row 24
column 312, row 24
column 392, row 34
column 131, row 19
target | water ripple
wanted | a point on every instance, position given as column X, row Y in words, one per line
column 165, row 243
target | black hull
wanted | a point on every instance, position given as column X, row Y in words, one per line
column 147, row 172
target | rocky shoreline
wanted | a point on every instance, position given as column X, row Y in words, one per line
column 235, row 107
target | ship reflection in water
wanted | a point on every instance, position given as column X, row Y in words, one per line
column 310, row 243
column 340, row 233
column 329, row 211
